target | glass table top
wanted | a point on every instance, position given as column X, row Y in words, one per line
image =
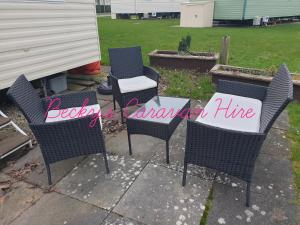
column 161, row 109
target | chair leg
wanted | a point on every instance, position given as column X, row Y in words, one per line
column 248, row 194
column 129, row 143
column 48, row 174
column 114, row 100
column 167, row 152
column 122, row 118
column 105, row 157
column 184, row 174
column 106, row 162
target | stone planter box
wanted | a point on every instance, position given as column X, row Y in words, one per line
column 201, row 62
column 248, row 75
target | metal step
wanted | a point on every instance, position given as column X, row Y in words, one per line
column 87, row 83
column 95, row 78
column 76, row 87
column 13, row 143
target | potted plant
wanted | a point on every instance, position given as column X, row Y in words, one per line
column 251, row 75
column 183, row 58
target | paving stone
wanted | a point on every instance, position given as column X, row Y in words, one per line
column 104, row 100
column 180, row 132
column 277, row 144
column 114, row 219
column 20, row 197
column 228, row 207
column 89, row 182
column 177, row 149
column 105, row 97
column 273, row 171
column 143, row 146
column 282, row 121
column 274, row 176
column 39, row 175
column 108, row 112
column 55, row 209
column 271, row 176
column 157, row 197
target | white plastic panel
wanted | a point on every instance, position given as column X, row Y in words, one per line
column 39, row 38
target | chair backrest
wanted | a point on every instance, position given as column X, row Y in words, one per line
column 278, row 96
column 126, row 62
column 26, row 98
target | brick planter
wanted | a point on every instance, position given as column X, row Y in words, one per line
column 201, row 62
column 249, row 75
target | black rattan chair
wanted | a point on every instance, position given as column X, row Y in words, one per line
column 235, row 152
column 64, row 139
column 127, row 66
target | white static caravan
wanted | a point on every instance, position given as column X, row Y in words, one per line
column 39, row 38
column 144, row 6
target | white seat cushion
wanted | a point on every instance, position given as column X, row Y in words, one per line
column 232, row 112
column 73, row 113
column 136, row 84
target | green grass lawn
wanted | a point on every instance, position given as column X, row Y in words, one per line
column 250, row 47
column 294, row 137
column 187, row 84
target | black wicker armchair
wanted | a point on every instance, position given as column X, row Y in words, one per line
column 232, row 147
column 59, row 140
column 130, row 78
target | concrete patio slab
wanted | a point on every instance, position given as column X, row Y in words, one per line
column 108, row 112
column 176, row 161
column 64, row 210
column 157, row 197
column 282, row 121
column 108, row 98
column 143, row 189
column 89, row 182
column 271, row 176
column 277, row 144
column 104, row 100
column 228, row 207
column 38, row 176
column 115, row 219
column 20, row 197
column 143, row 147
column 272, row 173
column 177, row 149
column 274, row 176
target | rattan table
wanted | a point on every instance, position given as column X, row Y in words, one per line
column 159, row 117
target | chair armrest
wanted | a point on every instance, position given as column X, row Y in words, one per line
column 242, row 89
column 151, row 73
column 75, row 135
column 70, row 100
